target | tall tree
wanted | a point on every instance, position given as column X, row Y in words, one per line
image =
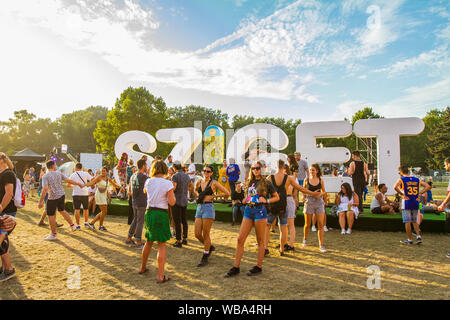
column 24, row 130
column 186, row 116
column 409, row 146
column 136, row 109
column 439, row 141
column 76, row 129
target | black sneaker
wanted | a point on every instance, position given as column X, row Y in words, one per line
column 178, row 245
column 419, row 240
column 408, row 242
column 286, row 247
column 289, row 248
column 6, row 275
column 282, row 253
column 233, row 272
column 184, row 242
column 232, row 224
column 266, row 252
column 255, row 271
column 102, row 228
column 204, row 261
column 211, row 249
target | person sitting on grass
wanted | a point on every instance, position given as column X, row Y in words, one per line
column 381, row 204
column 347, row 201
column 237, row 196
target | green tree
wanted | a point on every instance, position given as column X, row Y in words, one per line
column 24, row 130
column 76, row 129
column 409, row 146
column 288, row 126
column 136, row 109
column 186, row 116
column 439, row 141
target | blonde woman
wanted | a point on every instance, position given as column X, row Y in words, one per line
column 223, row 178
column 160, row 195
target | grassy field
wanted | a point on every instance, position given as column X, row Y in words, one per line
column 108, row 268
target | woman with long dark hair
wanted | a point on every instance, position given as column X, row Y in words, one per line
column 348, row 202
column 315, row 206
column 205, row 191
column 259, row 192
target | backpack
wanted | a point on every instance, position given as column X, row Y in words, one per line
column 279, row 208
column 19, row 196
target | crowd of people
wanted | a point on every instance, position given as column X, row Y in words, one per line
column 159, row 194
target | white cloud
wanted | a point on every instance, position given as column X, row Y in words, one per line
column 299, row 36
column 436, row 60
column 418, row 100
column 347, row 108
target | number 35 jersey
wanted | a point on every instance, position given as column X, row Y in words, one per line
column 410, row 187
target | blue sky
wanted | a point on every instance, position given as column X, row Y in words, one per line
column 308, row 59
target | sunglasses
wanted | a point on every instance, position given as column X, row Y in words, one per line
column 256, row 168
column 207, row 171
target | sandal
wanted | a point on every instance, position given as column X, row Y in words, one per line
column 165, row 279
column 142, row 272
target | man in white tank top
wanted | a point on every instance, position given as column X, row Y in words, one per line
column 381, row 204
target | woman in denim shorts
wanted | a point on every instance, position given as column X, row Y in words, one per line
column 259, row 192
column 205, row 191
column 315, row 206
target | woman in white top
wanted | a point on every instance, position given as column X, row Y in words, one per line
column 157, row 226
column 348, row 202
column 101, row 196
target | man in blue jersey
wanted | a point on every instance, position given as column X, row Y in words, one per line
column 409, row 188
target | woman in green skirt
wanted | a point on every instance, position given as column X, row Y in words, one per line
column 157, row 225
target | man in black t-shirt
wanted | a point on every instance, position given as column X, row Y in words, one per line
column 7, row 211
column 139, row 201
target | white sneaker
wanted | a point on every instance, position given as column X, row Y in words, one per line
column 51, row 237
column 325, row 229
column 313, row 229
column 74, row 228
column 322, row 249
column 304, row 243
column 343, row 231
column 349, row 231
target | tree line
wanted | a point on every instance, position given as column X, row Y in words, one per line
column 96, row 128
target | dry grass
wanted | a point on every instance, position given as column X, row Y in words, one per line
column 109, row 268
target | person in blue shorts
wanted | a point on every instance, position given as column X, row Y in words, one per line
column 409, row 189
column 259, row 193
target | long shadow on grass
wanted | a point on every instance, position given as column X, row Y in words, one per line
column 145, row 283
column 12, row 290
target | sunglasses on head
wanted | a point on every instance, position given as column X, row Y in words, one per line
column 256, row 168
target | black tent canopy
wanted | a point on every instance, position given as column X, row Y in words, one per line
column 27, row 155
column 26, row 159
